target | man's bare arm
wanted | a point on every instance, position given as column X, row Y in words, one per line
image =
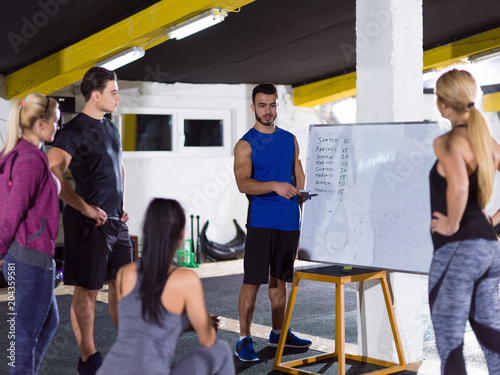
column 298, row 172
column 58, row 162
column 248, row 185
column 300, row 178
column 124, row 216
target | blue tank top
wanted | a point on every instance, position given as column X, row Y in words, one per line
column 272, row 160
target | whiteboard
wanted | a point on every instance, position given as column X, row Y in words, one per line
column 372, row 207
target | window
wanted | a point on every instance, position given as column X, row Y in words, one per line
column 146, row 132
column 203, row 133
column 181, row 131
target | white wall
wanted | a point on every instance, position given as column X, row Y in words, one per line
column 204, row 185
column 4, row 110
column 4, row 114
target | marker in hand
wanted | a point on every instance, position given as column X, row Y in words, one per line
column 307, row 195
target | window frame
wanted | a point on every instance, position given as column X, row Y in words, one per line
column 178, row 137
column 212, row 114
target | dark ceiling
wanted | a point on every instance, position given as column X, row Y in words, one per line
column 282, row 41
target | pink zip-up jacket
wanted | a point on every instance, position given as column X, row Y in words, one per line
column 29, row 213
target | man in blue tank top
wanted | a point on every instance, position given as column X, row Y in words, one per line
column 268, row 170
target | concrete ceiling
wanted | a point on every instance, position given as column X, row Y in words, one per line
column 46, row 44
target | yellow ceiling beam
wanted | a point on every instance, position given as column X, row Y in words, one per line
column 68, row 65
column 343, row 86
column 491, row 102
column 441, row 57
column 325, row 91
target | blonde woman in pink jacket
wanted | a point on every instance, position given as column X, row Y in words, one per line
column 29, row 221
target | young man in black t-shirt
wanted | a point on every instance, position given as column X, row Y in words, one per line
column 96, row 238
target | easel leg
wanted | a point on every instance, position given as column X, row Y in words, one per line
column 340, row 327
column 392, row 319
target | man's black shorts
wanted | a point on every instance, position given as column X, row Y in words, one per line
column 269, row 252
column 93, row 254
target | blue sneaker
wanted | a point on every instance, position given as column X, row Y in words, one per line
column 291, row 341
column 244, row 350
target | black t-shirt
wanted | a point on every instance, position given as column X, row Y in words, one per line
column 96, row 163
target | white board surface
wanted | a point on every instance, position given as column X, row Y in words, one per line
column 372, row 207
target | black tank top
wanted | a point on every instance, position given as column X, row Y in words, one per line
column 474, row 224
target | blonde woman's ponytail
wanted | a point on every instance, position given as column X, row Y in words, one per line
column 482, row 142
column 13, row 128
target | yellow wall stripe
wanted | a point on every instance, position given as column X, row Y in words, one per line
column 491, row 102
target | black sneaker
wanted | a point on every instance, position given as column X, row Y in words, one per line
column 91, row 365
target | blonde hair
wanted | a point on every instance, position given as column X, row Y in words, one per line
column 458, row 89
column 23, row 115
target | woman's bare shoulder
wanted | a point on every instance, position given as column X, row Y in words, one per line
column 184, row 276
column 496, row 153
column 129, row 269
column 182, row 285
column 126, row 278
column 452, row 141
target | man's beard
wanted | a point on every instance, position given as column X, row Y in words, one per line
column 264, row 122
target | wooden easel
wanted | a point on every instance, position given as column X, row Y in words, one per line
column 335, row 274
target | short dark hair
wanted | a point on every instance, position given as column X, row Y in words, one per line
column 96, row 78
column 264, row 88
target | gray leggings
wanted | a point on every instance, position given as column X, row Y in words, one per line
column 216, row 360
column 464, row 284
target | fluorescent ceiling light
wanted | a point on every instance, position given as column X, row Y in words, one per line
column 485, row 56
column 195, row 24
column 123, row 58
column 429, row 74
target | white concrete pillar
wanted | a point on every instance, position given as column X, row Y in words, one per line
column 390, row 89
column 389, row 60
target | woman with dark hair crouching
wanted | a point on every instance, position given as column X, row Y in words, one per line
column 159, row 302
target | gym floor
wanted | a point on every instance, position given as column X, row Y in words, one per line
column 313, row 318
